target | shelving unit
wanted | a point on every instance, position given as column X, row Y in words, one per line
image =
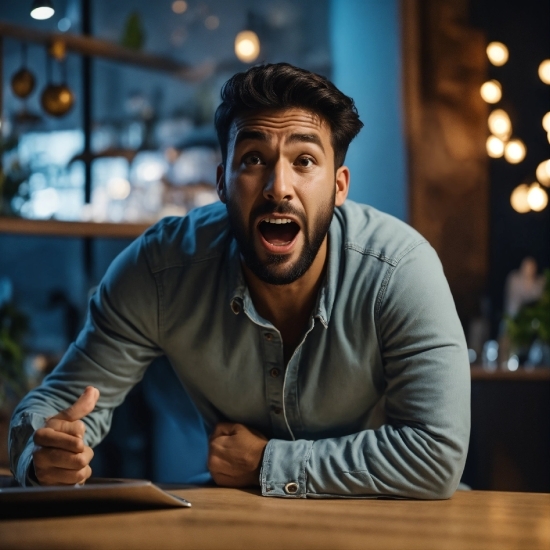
column 531, row 375
column 56, row 228
column 94, row 47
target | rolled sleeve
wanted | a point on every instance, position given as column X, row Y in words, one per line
column 284, row 468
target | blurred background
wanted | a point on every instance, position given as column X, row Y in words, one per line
column 106, row 126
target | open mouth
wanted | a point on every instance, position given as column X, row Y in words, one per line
column 278, row 231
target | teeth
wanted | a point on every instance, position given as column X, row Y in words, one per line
column 277, row 220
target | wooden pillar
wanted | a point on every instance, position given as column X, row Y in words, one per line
column 445, row 64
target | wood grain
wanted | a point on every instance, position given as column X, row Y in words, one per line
column 231, row 518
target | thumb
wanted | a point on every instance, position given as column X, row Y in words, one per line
column 82, row 407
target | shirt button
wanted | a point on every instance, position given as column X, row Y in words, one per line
column 291, row 488
column 268, row 336
column 277, row 410
column 274, row 373
column 236, row 308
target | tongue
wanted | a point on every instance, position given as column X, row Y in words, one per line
column 278, row 234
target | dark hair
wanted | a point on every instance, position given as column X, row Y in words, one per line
column 281, row 86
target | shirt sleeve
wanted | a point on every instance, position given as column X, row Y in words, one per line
column 420, row 452
column 119, row 340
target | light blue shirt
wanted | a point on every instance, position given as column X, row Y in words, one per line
column 374, row 401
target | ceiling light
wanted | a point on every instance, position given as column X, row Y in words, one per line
column 42, row 9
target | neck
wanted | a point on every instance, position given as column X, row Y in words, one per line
column 288, row 307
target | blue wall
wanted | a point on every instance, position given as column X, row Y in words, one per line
column 366, row 56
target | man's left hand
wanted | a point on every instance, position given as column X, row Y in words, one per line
column 235, row 455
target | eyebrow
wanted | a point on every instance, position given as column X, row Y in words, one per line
column 306, row 138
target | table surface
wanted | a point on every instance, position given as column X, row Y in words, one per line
column 232, row 518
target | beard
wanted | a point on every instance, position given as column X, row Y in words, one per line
column 270, row 270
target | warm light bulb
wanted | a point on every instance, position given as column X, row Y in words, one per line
column 497, row 53
column 514, row 151
column 179, row 6
column 546, row 121
column 537, row 197
column 543, row 173
column 491, row 91
column 247, row 46
column 495, row 147
column 544, row 71
column 499, row 124
column 518, row 199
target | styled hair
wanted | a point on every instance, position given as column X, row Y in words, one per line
column 283, row 86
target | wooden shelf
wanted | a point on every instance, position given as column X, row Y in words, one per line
column 94, row 47
column 55, row 228
column 522, row 374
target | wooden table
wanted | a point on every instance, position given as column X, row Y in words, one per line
column 231, row 518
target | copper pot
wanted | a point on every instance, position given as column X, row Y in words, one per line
column 22, row 83
column 57, row 99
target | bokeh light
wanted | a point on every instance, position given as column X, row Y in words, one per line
column 543, row 172
column 497, row 53
column 537, row 197
column 546, row 121
column 518, row 199
column 514, row 151
column 500, row 124
column 247, row 46
column 118, row 188
column 491, row 91
column 179, row 6
column 495, row 147
column 544, row 71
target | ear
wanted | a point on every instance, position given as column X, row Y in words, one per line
column 220, row 183
column 342, row 185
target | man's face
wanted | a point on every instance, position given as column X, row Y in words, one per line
column 280, row 188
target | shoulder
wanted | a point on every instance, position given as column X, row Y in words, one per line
column 176, row 241
column 370, row 232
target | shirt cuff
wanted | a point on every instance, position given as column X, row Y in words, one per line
column 283, row 471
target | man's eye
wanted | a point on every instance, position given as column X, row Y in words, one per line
column 305, row 162
column 252, row 160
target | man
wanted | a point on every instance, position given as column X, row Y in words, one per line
column 317, row 337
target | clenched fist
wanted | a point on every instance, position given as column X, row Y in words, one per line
column 235, row 455
column 60, row 455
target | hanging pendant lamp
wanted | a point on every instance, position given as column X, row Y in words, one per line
column 42, row 9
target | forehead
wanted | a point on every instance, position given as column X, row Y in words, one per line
column 281, row 121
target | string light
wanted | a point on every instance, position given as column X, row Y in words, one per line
column 491, row 91
column 544, row 71
column 537, row 197
column 247, row 46
column 497, row 53
column 518, row 199
column 514, row 151
column 500, row 124
column 495, row 147
column 543, row 173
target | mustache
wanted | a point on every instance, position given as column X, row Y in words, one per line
column 280, row 208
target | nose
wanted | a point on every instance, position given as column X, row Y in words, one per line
column 279, row 185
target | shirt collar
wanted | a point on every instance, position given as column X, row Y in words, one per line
column 239, row 296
